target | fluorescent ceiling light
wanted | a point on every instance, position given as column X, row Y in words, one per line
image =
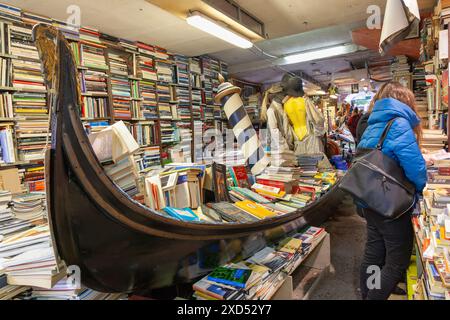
column 319, row 54
column 207, row 25
column 320, row 92
column 333, row 96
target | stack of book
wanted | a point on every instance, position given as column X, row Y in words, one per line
column 260, row 276
column 124, row 176
column 71, row 32
column 149, row 103
column 94, row 83
column 284, row 158
column 145, row 133
column 147, row 69
column 163, row 94
column 151, row 156
column 32, row 136
column 195, row 66
column 118, row 64
column 182, row 68
column 65, row 289
column 434, row 139
column 252, row 107
column 167, row 133
column 27, row 75
column 93, row 55
column 21, row 43
column 145, row 49
column 401, row 66
column 432, row 228
column 182, row 151
column 30, row 105
column 181, row 96
column 10, row 13
column 309, row 164
column 420, row 92
column 164, row 70
column 28, row 258
column 33, row 178
column 30, row 206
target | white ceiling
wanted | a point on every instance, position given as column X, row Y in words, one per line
column 287, row 17
column 133, row 20
column 329, row 23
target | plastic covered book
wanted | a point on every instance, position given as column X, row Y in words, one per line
column 230, row 276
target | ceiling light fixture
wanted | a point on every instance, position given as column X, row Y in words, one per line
column 320, row 92
column 333, row 96
column 319, row 54
column 199, row 21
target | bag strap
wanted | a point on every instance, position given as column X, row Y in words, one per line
column 385, row 133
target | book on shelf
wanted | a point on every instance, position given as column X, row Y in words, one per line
column 30, row 105
column 10, row 13
column 5, row 72
column 7, row 152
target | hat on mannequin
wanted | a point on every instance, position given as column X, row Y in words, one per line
column 292, row 85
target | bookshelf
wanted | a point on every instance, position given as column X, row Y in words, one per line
column 166, row 100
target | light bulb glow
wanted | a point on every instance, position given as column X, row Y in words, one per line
column 319, row 54
column 207, row 25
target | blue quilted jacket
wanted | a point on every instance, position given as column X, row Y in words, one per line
column 400, row 144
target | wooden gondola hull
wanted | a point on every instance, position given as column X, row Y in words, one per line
column 119, row 245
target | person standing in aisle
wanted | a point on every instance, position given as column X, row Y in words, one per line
column 390, row 242
column 353, row 122
column 363, row 120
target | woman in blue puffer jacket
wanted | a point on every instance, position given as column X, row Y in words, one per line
column 390, row 242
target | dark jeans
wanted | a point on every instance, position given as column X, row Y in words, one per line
column 389, row 247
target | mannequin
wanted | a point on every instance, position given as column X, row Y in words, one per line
column 307, row 121
column 280, row 129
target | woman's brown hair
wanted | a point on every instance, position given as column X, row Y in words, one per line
column 376, row 97
column 396, row 91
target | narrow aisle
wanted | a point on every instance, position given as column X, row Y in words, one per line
column 348, row 235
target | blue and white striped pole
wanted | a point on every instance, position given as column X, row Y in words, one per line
column 229, row 96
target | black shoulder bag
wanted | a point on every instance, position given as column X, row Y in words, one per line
column 379, row 182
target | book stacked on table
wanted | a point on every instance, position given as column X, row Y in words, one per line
column 65, row 289
column 30, row 207
column 28, row 258
column 32, row 137
column 284, row 158
column 260, row 276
